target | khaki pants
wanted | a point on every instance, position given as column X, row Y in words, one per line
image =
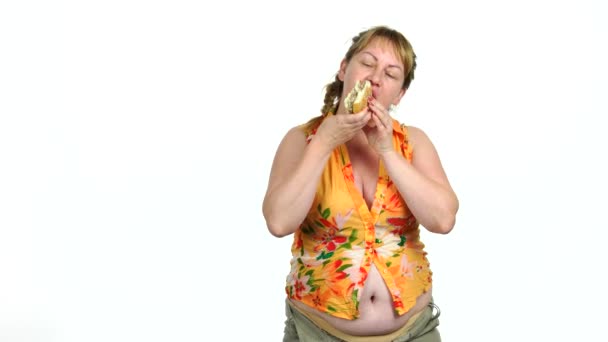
column 299, row 328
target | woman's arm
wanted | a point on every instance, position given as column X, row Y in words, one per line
column 294, row 177
column 423, row 183
column 298, row 166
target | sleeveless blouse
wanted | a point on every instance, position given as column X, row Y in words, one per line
column 341, row 237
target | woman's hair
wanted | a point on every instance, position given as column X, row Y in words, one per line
column 403, row 48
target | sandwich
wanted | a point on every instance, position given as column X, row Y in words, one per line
column 356, row 100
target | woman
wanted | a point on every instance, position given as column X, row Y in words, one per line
column 354, row 189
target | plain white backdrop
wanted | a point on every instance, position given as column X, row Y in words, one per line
column 136, row 139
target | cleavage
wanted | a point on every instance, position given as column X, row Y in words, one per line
column 365, row 171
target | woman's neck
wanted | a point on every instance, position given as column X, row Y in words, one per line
column 359, row 141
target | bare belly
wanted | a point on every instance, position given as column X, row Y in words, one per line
column 377, row 316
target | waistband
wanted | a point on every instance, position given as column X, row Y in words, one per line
column 322, row 324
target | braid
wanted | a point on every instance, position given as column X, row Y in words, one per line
column 333, row 91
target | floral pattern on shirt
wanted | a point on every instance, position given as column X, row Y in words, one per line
column 341, row 237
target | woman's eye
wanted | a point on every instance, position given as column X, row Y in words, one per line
column 391, row 75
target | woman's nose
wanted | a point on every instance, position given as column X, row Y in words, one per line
column 375, row 77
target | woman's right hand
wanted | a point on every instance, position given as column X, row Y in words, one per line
column 338, row 129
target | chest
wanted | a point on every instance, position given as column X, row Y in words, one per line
column 365, row 172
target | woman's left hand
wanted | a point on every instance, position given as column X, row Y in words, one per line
column 379, row 130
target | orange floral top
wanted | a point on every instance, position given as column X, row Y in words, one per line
column 340, row 238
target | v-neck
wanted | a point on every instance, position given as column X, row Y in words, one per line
column 368, row 214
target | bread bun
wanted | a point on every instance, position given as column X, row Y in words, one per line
column 356, row 100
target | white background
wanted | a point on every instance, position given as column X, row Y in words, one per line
column 136, row 138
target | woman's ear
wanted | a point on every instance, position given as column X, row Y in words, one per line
column 342, row 70
column 401, row 93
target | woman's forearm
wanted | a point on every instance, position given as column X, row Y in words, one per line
column 433, row 204
column 286, row 204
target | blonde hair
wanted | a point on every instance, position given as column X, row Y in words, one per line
column 403, row 48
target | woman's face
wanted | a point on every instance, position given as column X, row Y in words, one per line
column 379, row 64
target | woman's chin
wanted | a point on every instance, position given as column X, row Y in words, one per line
column 371, row 124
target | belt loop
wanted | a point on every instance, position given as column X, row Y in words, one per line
column 432, row 305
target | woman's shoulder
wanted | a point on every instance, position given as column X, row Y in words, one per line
column 420, row 144
column 309, row 128
column 414, row 134
column 297, row 132
column 302, row 132
column 416, row 142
